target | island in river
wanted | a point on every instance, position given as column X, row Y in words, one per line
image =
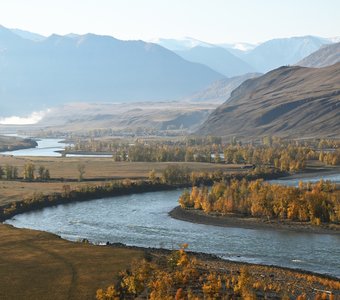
column 12, row 143
column 186, row 213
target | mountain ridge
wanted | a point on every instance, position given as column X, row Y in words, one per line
column 91, row 68
column 288, row 101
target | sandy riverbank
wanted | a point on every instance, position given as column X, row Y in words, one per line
column 199, row 217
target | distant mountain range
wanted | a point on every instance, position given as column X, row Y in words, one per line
column 41, row 72
column 217, row 58
column 91, row 68
column 281, row 52
column 289, row 101
column 241, row 58
column 326, row 56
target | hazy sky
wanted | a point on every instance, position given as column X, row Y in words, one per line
column 208, row 20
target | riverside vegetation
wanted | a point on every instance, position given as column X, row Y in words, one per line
column 316, row 203
column 173, row 176
column 182, row 276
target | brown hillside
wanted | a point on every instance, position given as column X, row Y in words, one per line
column 289, row 101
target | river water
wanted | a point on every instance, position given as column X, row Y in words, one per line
column 142, row 220
column 48, row 147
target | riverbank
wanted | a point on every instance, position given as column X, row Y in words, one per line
column 317, row 169
column 60, row 269
column 199, row 217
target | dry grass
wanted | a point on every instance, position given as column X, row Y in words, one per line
column 96, row 167
column 39, row 265
column 98, row 170
column 11, row 191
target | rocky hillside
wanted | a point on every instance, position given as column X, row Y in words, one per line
column 326, row 56
column 289, row 101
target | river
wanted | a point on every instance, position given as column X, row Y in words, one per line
column 48, row 147
column 142, row 220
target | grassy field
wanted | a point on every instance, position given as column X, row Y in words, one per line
column 96, row 167
column 39, row 265
column 97, row 170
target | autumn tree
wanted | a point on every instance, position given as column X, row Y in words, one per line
column 29, row 169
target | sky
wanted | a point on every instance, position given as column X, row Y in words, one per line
column 214, row 21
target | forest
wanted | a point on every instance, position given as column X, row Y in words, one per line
column 316, row 203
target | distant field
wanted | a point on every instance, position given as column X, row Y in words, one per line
column 105, row 167
column 97, row 171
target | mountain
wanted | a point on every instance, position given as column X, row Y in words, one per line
column 180, row 44
column 281, row 52
column 241, row 58
column 289, row 101
column 326, row 56
column 217, row 58
column 245, row 47
column 28, row 35
column 220, row 90
column 91, row 68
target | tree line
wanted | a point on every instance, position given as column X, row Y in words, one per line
column 281, row 154
column 317, row 203
column 29, row 172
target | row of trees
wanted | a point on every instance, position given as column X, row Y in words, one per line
column 10, row 172
column 330, row 158
column 317, row 203
column 283, row 155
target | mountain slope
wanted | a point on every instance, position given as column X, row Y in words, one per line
column 289, row 101
column 280, row 52
column 180, row 44
column 217, row 58
column 91, row 68
column 219, row 91
column 28, row 35
column 326, row 56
